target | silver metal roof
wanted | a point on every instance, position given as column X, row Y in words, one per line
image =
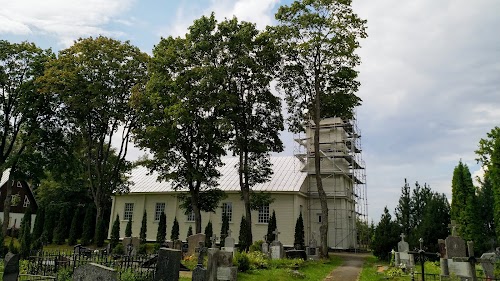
column 287, row 177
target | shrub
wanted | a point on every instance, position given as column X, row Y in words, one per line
column 87, row 226
column 299, row 233
column 118, row 250
column 115, row 233
column 258, row 260
column 128, row 228
column 144, row 228
column 208, row 234
column 64, row 274
column 256, row 246
column 100, row 233
column 175, row 230
column 242, row 261
column 271, row 227
column 39, row 221
column 190, row 231
column 242, row 238
column 143, row 249
column 161, row 234
column 73, row 232
column 2, row 242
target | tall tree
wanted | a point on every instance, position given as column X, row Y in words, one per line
column 403, row 210
column 249, row 59
column 224, row 229
column 434, row 223
column 174, row 235
column 22, row 110
column 93, row 80
column 486, row 238
column 421, row 195
column 318, row 42
column 385, row 237
column 179, row 113
column 144, row 228
column 299, row 237
column 115, row 233
column 161, row 234
column 463, row 196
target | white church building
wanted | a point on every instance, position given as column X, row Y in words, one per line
column 292, row 185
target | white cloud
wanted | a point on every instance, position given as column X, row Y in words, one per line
column 66, row 20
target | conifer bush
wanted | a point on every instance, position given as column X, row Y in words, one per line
column 49, row 225
column 144, row 229
column 190, row 232
column 87, row 226
column 39, row 221
column 299, row 233
column 161, row 234
column 25, row 240
column 208, row 234
column 73, row 231
column 100, row 233
column 59, row 231
column 128, row 228
column 175, row 230
column 224, row 229
column 115, row 233
column 243, row 235
column 271, row 227
column 2, row 242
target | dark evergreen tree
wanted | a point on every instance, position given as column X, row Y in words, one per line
column 486, row 239
column 190, row 231
column 271, row 227
column 386, row 236
column 25, row 240
column 100, row 232
column 463, row 192
column 60, row 230
column 403, row 210
column 242, row 238
column 420, row 196
column 299, row 237
column 144, row 228
column 115, row 233
column 435, row 222
column 39, row 222
column 73, row 231
column 174, row 235
column 50, row 219
column 161, row 234
column 224, row 229
column 209, row 233
column 128, row 228
column 87, row 226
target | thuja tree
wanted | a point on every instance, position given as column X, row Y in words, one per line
column 51, row 217
column 224, row 229
column 39, row 221
column 161, row 233
column 174, row 235
column 100, row 232
column 2, row 242
column 115, row 233
column 242, row 238
column 299, row 237
column 317, row 40
column 385, row 237
column 144, row 228
column 190, row 232
column 463, row 194
column 128, row 228
column 73, row 231
column 87, row 226
column 271, row 227
column 403, row 211
column 209, row 232
column 60, row 230
column 25, row 240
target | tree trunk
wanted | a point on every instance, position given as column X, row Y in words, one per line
column 196, row 211
column 246, row 198
column 323, row 230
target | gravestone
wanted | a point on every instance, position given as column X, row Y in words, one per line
column 225, row 269
column 131, row 245
column 489, row 267
column 443, row 259
column 277, row 251
column 212, row 264
column 296, row 254
column 265, row 246
column 468, row 264
column 200, row 273
column 403, row 256
column 11, row 269
column 229, row 245
column 95, row 272
column 312, row 250
column 193, row 242
column 168, row 265
column 177, row 245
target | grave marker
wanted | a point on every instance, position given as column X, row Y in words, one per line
column 168, row 265
column 93, row 272
column 11, row 269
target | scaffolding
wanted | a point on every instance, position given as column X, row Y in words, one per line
column 344, row 181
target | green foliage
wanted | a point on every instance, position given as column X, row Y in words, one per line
column 242, row 261
column 12, row 247
column 403, row 210
column 100, row 232
column 256, row 246
column 118, row 249
column 87, row 226
column 463, row 193
column 190, row 232
column 385, row 237
column 65, row 274
column 73, row 231
column 271, row 226
column 60, row 231
column 2, row 242
column 224, row 229
column 209, row 232
column 208, row 200
column 128, row 228
column 258, row 199
column 485, row 212
column 115, row 233
column 25, row 240
column 299, row 237
column 39, row 222
column 143, row 249
column 242, row 238
column 257, row 259
column 144, row 228
column 174, row 235
column 131, row 275
column 51, row 216
column 161, row 233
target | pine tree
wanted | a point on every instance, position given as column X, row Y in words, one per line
column 386, row 236
column 100, row 233
column 87, row 226
column 224, row 229
column 161, row 234
column 209, row 232
column 115, row 233
column 49, row 225
column 39, row 221
column 486, row 202
column 73, row 231
column 174, row 235
column 463, row 193
column 190, row 231
column 144, row 228
column 299, row 237
column 271, row 227
column 59, row 232
column 25, row 240
column 242, row 238
column 403, row 210
column 128, row 228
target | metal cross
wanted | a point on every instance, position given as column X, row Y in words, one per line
column 422, row 254
column 213, row 239
column 202, row 250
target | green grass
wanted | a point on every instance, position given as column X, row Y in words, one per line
column 313, row 270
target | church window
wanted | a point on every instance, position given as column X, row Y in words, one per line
column 26, row 201
column 159, row 209
column 263, row 216
column 129, row 211
column 227, row 209
column 190, row 216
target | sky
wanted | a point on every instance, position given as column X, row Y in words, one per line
column 429, row 73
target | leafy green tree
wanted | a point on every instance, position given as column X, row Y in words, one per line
column 463, row 193
column 161, row 234
column 51, row 218
column 249, row 61
column 144, row 228
column 25, row 240
column 486, row 238
column 403, row 210
column 299, row 237
column 24, row 111
column 209, row 232
column 73, row 231
column 318, row 40
column 115, row 233
column 99, row 76
column 60, row 230
column 224, row 229
column 87, row 226
column 174, row 235
column 386, row 236
column 190, row 231
column 180, row 109
column 271, row 227
column 128, row 228
column 100, row 232
column 242, row 238
column 39, row 222
column 435, row 221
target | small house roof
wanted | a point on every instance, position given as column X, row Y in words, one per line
column 287, row 177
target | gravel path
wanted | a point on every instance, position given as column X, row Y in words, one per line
column 350, row 269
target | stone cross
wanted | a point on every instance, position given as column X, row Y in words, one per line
column 202, row 251
column 421, row 256
column 276, row 232
column 453, row 227
column 213, row 239
column 229, row 232
column 402, row 237
column 472, row 260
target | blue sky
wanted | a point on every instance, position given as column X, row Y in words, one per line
column 430, row 72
